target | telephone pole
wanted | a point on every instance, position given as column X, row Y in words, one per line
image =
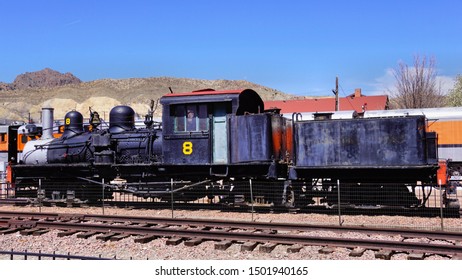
column 335, row 91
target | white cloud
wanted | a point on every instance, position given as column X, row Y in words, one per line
column 383, row 84
column 386, row 83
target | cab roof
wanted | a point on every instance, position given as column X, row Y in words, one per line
column 243, row 100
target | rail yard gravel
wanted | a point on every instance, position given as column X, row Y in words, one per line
column 158, row 250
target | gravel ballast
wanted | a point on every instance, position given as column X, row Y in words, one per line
column 158, row 250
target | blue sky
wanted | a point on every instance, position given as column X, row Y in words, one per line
column 294, row 46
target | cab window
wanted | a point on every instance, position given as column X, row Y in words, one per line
column 190, row 118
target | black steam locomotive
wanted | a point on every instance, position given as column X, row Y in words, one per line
column 227, row 136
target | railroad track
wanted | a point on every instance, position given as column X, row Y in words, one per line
column 225, row 233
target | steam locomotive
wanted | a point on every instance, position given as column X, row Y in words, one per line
column 209, row 142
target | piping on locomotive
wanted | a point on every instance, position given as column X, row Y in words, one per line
column 208, row 136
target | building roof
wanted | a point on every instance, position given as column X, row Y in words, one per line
column 356, row 102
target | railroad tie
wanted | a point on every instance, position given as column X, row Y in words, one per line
column 248, row 246
column 295, row 248
column 106, row 237
column 384, row 254
column 145, row 239
column 10, row 230
column 87, row 234
column 223, row 245
column 193, row 242
column 457, row 257
column 67, row 233
column 326, row 250
column 174, row 241
column 40, row 232
column 28, row 231
column 416, row 256
column 268, row 247
column 357, row 252
column 69, row 220
column 119, row 237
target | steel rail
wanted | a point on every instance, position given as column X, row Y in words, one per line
column 408, row 233
column 260, row 237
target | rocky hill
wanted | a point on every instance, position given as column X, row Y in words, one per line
column 64, row 92
column 46, row 78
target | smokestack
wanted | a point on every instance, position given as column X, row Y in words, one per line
column 47, row 123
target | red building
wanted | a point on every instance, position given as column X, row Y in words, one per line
column 355, row 101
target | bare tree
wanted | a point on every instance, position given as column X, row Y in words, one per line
column 416, row 86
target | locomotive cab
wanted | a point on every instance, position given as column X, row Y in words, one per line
column 217, row 130
column 196, row 124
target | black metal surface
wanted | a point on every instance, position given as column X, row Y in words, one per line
column 176, row 151
column 74, row 148
column 362, row 142
column 121, row 118
column 73, row 124
column 250, row 138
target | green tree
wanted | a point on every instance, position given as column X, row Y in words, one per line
column 416, row 85
column 454, row 97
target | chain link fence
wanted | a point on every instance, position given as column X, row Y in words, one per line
column 6, row 191
column 26, row 255
column 320, row 201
